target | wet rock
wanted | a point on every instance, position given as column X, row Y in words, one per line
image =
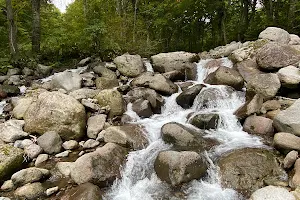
column 295, row 182
column 30, row 191
column 65, row 168
column 155, row 81
column 275, row 34
column 185, row 85
column 99, row 167
column 266, row 85
column 114, row 100
column 290, row 159
column 41, row 159
column 51, row 191
column 258, row 125
column 95, row 124
column 29, row 175
column 272, row 192
column 58, row 112
column 130, row 65
column 33, row 150
column 7, row 186
column 84, row 93
column 205, row 121
column 180, row 61
column 274, row 56
column 128, row 135
column 50, row 142
column 21, row 107
column 225, row 76
column 68, row 81
column 86, row 191
column 11, row 130
column 252, row 106
column 142, row 108
column 106, row 83
column 286, row 141
column 90, row 143
column 250, row 167
column 154, row 99
column 179, row 167
column 287, row 120
column 174, row 75
column 43, row 70
column 70, row 145
column 11, row 159
column 187, row 97
column 289, row 76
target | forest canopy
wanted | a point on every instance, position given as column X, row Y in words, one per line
column 107, row 28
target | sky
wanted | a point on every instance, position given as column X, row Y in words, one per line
column 62, row 4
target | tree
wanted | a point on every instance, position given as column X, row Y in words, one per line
column 36, row 26
column 14, row 51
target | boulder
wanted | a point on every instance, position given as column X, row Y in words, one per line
column 187, row 97
column 30, row 191
column 29, row 175
column 142, row 108
column 11, row 130
column 86, row 191
column 84, row 93
column 32, row 151
column 288, row 120
column 102, row 71
column 259, row 125
column 95, row 124
column 7, row 186
column 103, row 83
column 90, row 143
column 68, row 81
column 155, row 81
column 85, row 61
column 50, row 142
column 272, row 193
column 290, row 159
column 249, row 167
column 130, row 65
column 205, row 121
column 248, row 68
column 10, row 90
column 252, row 106
column 13, row 71
column 70, row 145
column 266, row 85
column 114, row 100
column 174, row 75
column 41, row 159
column 179, row 167
column 274, row 56
column 270, row 105
column 100, row 167
column 21, row 107
column 156, row 101
column 295, row 182
column 43, row 70
column 286, row 141
column 276, row 35
column 225, row 76
column 54, row 111
column 11, row 159
column 128, row 135
column 65, row 168
column 295, row 39
column 289, row 76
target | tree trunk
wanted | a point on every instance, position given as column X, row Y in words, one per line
column 12, row 30
column 134, row 19
column 36, row 26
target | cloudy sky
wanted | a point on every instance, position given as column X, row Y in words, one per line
column 62, row 4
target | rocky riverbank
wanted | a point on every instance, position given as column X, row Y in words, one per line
column 72, row 135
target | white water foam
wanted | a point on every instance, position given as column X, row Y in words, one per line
column 148, row 66
column 138, row 179
column 78, row 70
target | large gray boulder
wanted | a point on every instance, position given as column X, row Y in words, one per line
column 289, row 76
column 295, row 39
column 128, row 135
column 142, row 108
column 155, row 81
column 84, row 93
column 286, row 142
column 225, row 76
column 54, row 111
column 11, row 159
column 21, row 107
column 103, row 83
column 274, row 56
column 248, row 68
column 288, row 120
column 114, row 100
column 205, row 121
column 258, row 125
column 12, row 130
column 250, row 107
column 266, row 85
column 276, row 35
column 272, row 193
column 100, row 167
column 68, row 81
column 187, row 97
column 30, row 191
column 29, row 175
column 130, row 65
column 179, row 167
column 50, row 142
column 86, row 191
column 251, row 167
column 95, row 124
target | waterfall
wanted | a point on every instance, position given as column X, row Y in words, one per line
column 138, row 179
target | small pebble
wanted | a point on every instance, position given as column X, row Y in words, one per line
column 81, row 153
column 71, row 144
column 90, row 143
column 7, row 186
column 51, row 191
column 63, row 154
column 41, row 158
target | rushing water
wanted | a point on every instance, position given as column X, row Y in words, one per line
column 138, row 179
